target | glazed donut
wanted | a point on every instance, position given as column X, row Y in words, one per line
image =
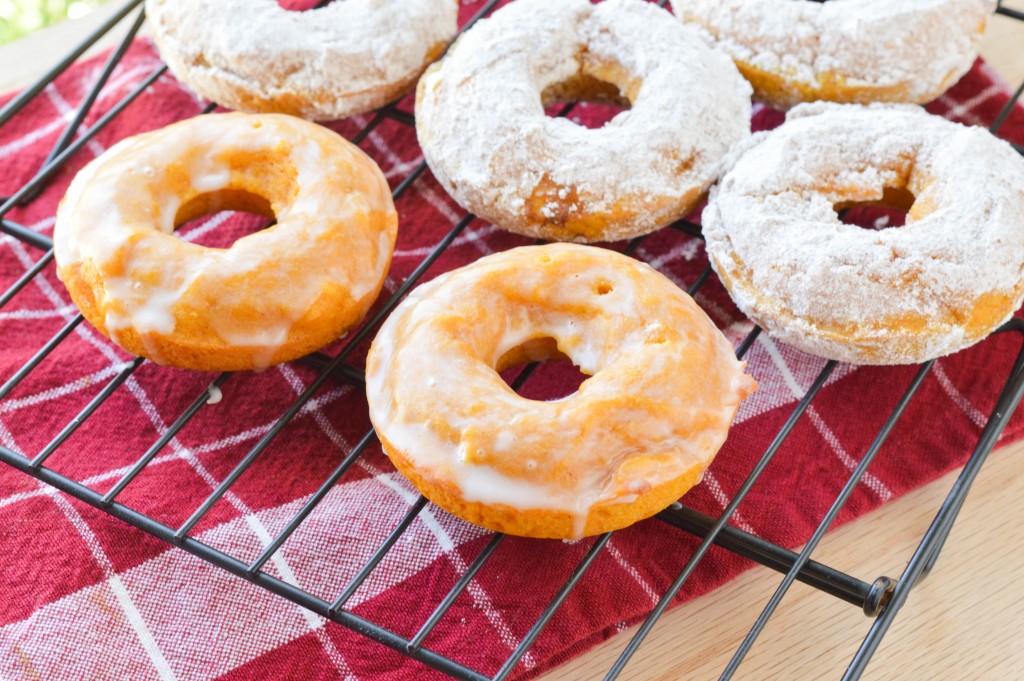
column 853, row 51
column 943, row 281
column 272, row 296
column 328, row 63
column 481, row 123
column 663, row 387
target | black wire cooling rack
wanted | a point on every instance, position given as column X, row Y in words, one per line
column 880, row 598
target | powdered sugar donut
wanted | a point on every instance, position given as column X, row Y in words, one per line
column 901, row 295
column 856, row 51
column 663, row 387
column 480, row 118
column 322, row 64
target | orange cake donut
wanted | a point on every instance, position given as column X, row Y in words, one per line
column 854, row 51
column 272, row 296
column 481, row 123
column 943, row 281
column 663, row 387
column 327, row 63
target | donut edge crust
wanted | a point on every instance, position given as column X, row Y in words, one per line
column 781, row 90
column 885, row 341
column 544, row 523
column 307, row 334
column 230, row 91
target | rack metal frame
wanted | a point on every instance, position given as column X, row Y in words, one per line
column 880, row 598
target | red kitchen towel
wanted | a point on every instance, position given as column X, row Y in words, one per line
column 85, row 596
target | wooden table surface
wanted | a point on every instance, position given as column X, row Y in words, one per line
column 966, row 621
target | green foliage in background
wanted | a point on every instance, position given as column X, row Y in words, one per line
column 20, row 17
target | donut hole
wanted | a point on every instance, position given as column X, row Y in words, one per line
column 598, row 101
column 303, row 5
column 602, row 287
column 555, row 378
column 218, row 219
column 889, row 211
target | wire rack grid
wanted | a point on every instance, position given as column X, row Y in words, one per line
column 879, row 598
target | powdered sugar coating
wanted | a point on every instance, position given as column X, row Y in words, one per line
column 481, row 122
column 845, row 50
column 322, row 64
column 943, row 281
